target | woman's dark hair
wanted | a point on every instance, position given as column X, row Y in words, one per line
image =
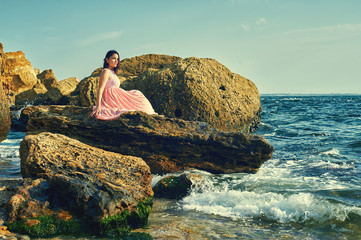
column 108, row 55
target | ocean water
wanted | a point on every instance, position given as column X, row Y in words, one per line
column 311, row 189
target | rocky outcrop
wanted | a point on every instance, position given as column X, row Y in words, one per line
column 47, row 78
column 166, row 144
column 29, row 211
column 33, row 96
column 60, row 90
column 202, row 89
column 173, row 187
column 177, row 187
column 5, row 120
column 8, row 188
column 31, row 200
column 86, row 92
column 195, row 89
column 135, row 66
column 54, row 94
column 88, row 181
column 18, row 72
column 2, row 59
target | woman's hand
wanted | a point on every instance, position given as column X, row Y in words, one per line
column 96, row 111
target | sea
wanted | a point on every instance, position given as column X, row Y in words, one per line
column 310, row 189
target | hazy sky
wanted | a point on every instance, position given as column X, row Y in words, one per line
column 283, row 46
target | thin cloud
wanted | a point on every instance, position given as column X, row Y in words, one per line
column 261, row 21
column 245, row 27
column 100, row 38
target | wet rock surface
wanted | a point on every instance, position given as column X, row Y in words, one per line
column 91, row 182
column 165, row 144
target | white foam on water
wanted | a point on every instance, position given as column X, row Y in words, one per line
column 300, row 207
column 16, row 114
column 9, row 148
column 156, row 177
column 291, row 99
column 331, row 165
column 333, row 152
column 9, row 151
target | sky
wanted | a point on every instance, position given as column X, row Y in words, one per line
column 283, row 46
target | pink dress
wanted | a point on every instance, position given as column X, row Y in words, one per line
column 116, row 100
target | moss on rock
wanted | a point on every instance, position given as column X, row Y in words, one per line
column 120, row 224
column 45, row 226
column 173, row 187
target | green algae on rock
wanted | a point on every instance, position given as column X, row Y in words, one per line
column 45, row 226
column 173, row 187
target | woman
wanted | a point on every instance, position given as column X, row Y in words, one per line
column 112, row 101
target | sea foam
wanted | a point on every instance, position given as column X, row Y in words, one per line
column 300, row 207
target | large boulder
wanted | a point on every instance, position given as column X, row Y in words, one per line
column 31, row 211
column 33, row 96
column 196, row 89
column 5, row 120
column 53, row 94
column 202, row 89
column 88, row 181
column 18, row 72
column 86, row 92
column 8, row 188
column 47, row 78
column 2, row 59
column 60, row 90
column 135, row 66
column 166, row 144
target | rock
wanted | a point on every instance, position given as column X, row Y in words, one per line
column 86, row 92
column 47, row 78
column 8, row 188
column 173, row 187
column 5, row 234
column 40, row 95
column 201, row 89
column 196, row 89
column 2, row 59
column 101, row 186
column 30, row 201
column 60, row 90
column 18, row 72
column 177, row 187
column 37, row 72
column 136, row 66
column 30, row 213
column 5, row 121
column 166, row 144
column 34, row 96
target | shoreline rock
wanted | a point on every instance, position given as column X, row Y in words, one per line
column 18, row 72
column 165, row 144
column 92, row 182
column 201, row 89
column 193, row 89
column 5, row 120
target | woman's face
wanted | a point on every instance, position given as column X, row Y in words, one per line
column 113, row 60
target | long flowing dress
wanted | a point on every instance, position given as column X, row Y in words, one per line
column 116, row 100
